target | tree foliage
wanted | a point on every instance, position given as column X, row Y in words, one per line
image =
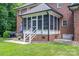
column 8, row 17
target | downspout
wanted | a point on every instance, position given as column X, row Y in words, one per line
column 73, row 25
column 48, row 24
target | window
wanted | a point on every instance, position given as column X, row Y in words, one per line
column 51, row 22
column 39, row 22
column 64, row 23
column 59, row 5
column 24, row 10
column 24, row 23
column 29, row 22
column 58, row 24
column 46, row 20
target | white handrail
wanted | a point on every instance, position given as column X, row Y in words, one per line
column 29, row 35
column 25, row 36
column 32, row 35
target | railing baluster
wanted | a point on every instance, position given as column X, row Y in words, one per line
column 30, row 35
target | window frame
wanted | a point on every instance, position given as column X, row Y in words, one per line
column 58, row 5
column 64, row 25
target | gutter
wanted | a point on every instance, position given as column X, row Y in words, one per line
column 24, row 6
column 34, row 12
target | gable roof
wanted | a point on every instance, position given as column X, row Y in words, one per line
column 38, row 8
column 41, row 7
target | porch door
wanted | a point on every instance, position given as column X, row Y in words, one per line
column 33, row 24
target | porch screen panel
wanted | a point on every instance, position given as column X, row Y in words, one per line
column 46, row 20
column 58, row 24
column 55, row 23
column 51, row 22
column 24, row 23
column 29, row 22
column 40, row 22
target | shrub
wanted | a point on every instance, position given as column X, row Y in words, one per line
column 6, row 34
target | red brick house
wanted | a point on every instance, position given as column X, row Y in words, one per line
column 75, row 10
column 45, row 21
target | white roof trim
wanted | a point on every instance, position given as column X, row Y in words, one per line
column 27, row 4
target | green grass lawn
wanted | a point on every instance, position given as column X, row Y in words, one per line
column 44, row 49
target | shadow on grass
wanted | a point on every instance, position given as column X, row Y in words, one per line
column 2, row 39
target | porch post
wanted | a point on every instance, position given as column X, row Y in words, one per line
column 31, row 25
column 53, row 23
column 27, row 24
column 42, row 23
column 36, row 23
column 49, row 24
column 57, row 24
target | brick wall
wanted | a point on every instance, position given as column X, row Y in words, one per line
column 76, row 25
column 67, row 15
column 19, row 21
column 45, row 37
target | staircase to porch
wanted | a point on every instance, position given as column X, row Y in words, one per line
column 28, row 37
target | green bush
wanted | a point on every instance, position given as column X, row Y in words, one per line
column 6, row 34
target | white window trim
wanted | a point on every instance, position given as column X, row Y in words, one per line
column 57, row 23
column 53, row 23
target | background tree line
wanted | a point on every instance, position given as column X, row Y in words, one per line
column 8, row 17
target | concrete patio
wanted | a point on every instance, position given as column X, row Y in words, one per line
column 18, row 42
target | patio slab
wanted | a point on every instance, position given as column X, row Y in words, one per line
column 18, row 42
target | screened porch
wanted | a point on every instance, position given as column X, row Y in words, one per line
column 42, row 22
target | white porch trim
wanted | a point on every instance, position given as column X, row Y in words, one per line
column 42, row 23
column 53, row 23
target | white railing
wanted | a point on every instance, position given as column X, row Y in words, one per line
column 29, row 35
column 32, row 35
